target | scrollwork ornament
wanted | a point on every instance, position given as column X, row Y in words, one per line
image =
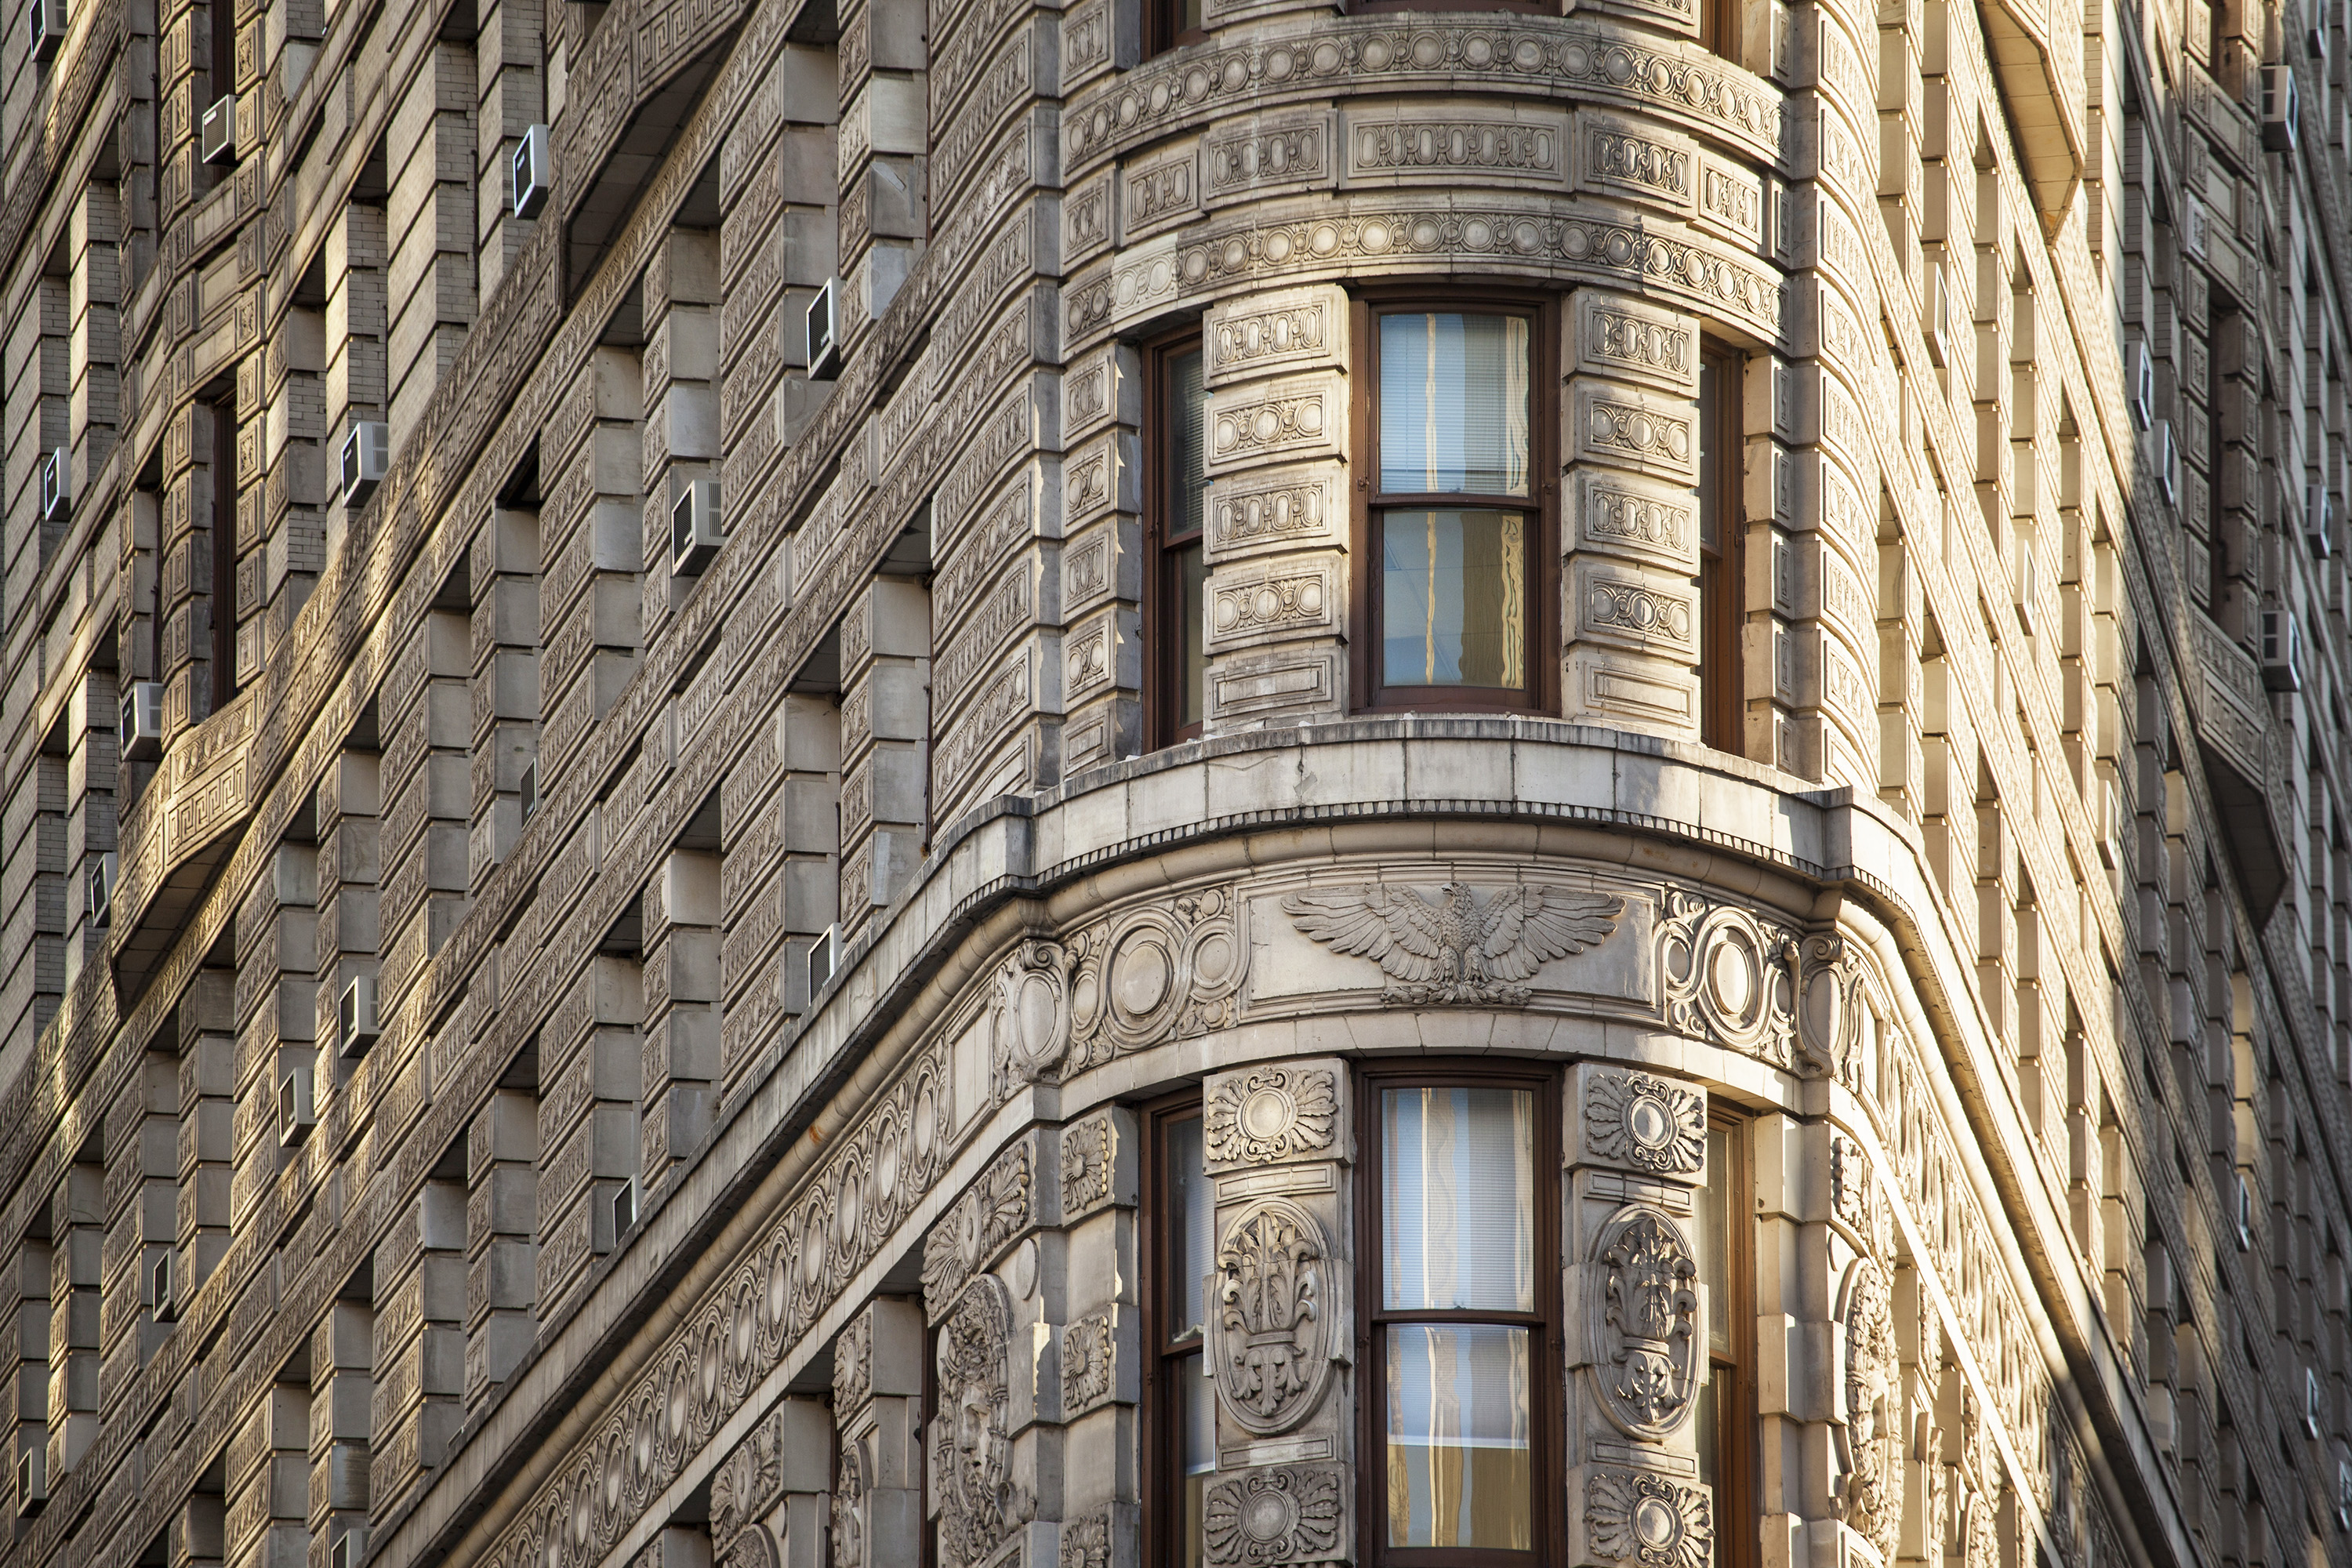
column 1646, row 1328
column 1169, row 970
column 1029, row 1015
column 1651, row 1124
column 1729, row 978
column 1273, row 1328
column 980, row 1501
column 1640, row 1516
column 1274, row 1113
column 1275, row 1514
column 1869, row 1443
column 1829, row 1012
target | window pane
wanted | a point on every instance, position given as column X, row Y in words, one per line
column 1189, row 570
column 1191, row 1216
column 1453, row 589
column 1198, row 1436
column 1454, row 403
column 1457, row 1437
column 1187, row 479
column 1713, row 1241
column 1457, row 1199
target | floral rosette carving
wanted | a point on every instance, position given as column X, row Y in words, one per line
column 1090, row 1169
column 1646, row 1327
column 991, row 1212
column 1869, row 1445
column 1277, row 1514
column 1645, row 1121
column 972, row 1450
column 1639, row 1516
column 1167, row 971
column 1090, row 1364
column 1729, row 978
column 1275, row 1114
column 1272, row 1357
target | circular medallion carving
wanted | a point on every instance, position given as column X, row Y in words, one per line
column 1273, row 1330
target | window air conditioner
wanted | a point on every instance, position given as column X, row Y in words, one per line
column 163, row 1296
column 103, row 869
column 2245, row 1216
column 2282, row 650
column 349, row 1548
column 2166, row 461
column 2313, row 1403
column 695, row 534
column 2139, row 376
column 625, row 1208
column 1937, row 313
column 296, row 1113
column 2319, row 520
column 367, row 454
column 533, row 172
column 2279, row 107
column 530, row 788
column 141, row 734
column 32, row 1482
column 56, row 485
column 355, row 1020
column 220, row 129
column 823, row 954
column 46, row 24
column 824, row 332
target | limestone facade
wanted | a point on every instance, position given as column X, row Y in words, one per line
column 983, row 1010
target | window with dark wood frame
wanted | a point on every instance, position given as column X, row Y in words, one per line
column 1721, row 583
column 1727, row 1404
column 1170, row 23
column 1175, row 1241
column 1458, row 1301
column 1454, row 600
column 1718, row 28
column 1175, row 572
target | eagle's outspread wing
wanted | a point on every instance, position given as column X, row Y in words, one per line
column 1525, row 927
column 1395, row 928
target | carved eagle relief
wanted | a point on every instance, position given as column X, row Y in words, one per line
column 1455, row 949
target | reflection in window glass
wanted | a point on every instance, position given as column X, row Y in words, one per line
column 1454, row 404
column 1711, row 1235
column 1193, row 1210
column 1197, row 1398
column 1457, row 1200
column 1454, row 598
column 1458, row 1436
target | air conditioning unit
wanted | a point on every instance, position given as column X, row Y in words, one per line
column 355, row 1020
column 2319, row 520
column 2279, row 107
column 367, row 457
column 2165, row 458
column 823, row 954
column 2313, row 1403
column 296, row 1113
column 1936, row 313
column 2139, row 379
column 625, row 1208
column 349, row 1548
column 102, row 873
column 694, row 531
column 825, row 333
column 533, row 172
column 32, row 1482
column 2245, row 1216
column 2342, row 1495
column 2282, row 650
column 530, row 788
column 56, row 485
column 163, row 1295
column 46, row 23
column 220, row 129
column 141, row 733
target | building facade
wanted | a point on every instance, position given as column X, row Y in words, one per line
column 1149, row 783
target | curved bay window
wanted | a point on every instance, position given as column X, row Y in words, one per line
column 1455, row 414
column 1461, row 1282
column 1177, row 1244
